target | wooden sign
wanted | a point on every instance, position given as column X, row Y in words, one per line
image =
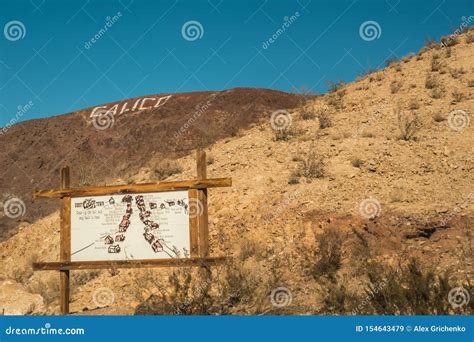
column 136, row 225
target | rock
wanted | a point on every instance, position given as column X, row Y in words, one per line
column 16, row 300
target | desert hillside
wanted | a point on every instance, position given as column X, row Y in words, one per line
column 99, row 151
column 349, row 193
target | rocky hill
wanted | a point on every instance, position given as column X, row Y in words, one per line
column 117, row 139
column 365, row 191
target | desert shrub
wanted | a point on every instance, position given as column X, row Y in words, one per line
column 368, row 134
column 335, row 86
column 437, row 93
column 432, row 82
column 307, row 115
column 391, row 61
column 431, row 43
column 413, row 104
column 335, row 99
column 408, row 124
column 470, row 37
column 80, row 278
column 404, row 290
column 286, row 133
column 379, row 77
column 448, row 51
column 166, row 168
column 356, row 162
column 456, row 72
column 398, row 67
column 436, row 63
column 324, row 119
column 407, row 58
column 311, row 166
column 470, row 83
column 235, row 287
column 395, row 86
column 449, row 41
column 457, row 95
column 328, row 257
column 294, row 178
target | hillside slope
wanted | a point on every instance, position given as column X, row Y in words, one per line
column 341, row 165
column 99, row 150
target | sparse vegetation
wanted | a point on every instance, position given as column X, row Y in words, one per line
column 307, row 115
column 456, row 72
column 311, row 166
column 470, row 83
column 436, row 63
column 329, row 255
column 324, row 118
column 356, row 162
column 413, row 104
column 408, row 124
column 395, row 86
column 437, row 93
column 457, row 96
column 166, row 168
column 335, row 99
column 470, row 37
column 449, row 41
column 285, row 133
column 432, row 81
column 406, row 290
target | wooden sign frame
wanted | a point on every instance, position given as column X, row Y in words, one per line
column 198, row 225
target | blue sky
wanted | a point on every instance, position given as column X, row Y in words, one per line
column 48, row 59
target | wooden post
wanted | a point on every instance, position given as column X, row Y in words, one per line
column 65, row 243
column 203, row 228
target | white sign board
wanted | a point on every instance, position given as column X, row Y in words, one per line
column 130, row 226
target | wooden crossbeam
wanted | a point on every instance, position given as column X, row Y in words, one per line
column 135, row 188
column 96, row 265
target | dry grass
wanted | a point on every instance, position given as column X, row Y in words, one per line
column 328, row 257
column 432, row 81
column 457, row 96
column 408, row 123
column 165, row 169
column 310, row 166
column 395, row 86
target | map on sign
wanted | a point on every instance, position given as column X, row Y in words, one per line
column 130, row 226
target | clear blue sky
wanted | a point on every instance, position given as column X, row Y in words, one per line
column 46, row 61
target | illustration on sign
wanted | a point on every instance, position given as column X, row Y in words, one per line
column 138, row 226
